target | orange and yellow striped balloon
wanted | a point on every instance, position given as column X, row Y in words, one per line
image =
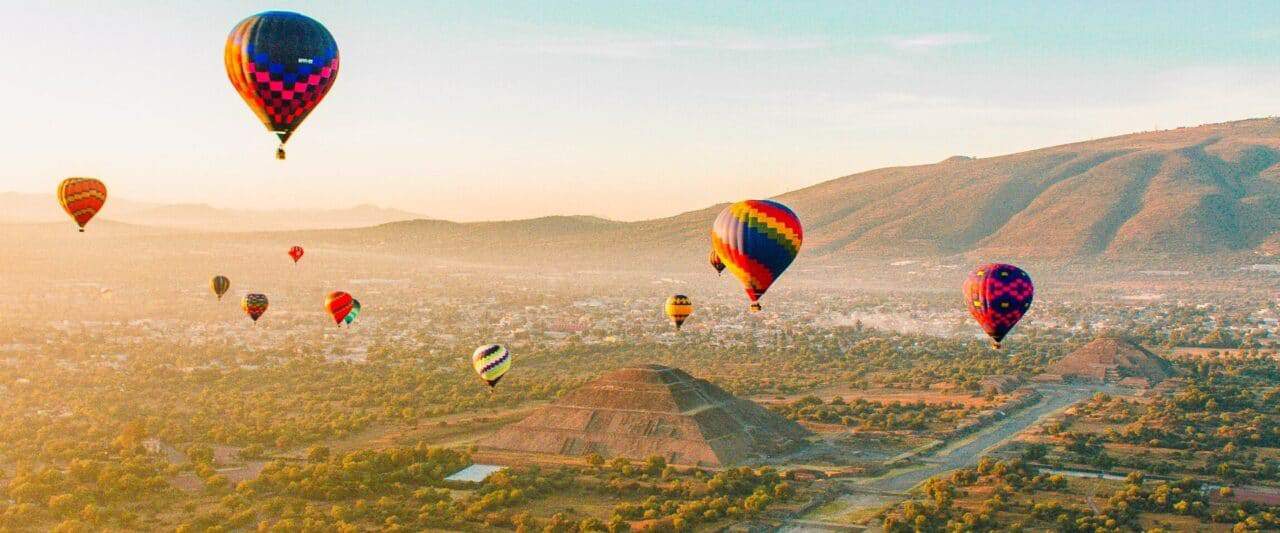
column 678, row 308
column 82, row 198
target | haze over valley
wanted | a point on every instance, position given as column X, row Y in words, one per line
column 664, row 267
column 871, row 388
column 1190, row 193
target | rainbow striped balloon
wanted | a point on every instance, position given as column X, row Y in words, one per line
column 491, row 361
column 757, row 240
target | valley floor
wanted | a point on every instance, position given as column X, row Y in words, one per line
column 856, row 498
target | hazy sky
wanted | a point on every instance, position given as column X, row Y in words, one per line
column 491, row 110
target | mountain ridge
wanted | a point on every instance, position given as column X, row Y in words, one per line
column 32, row 208
column 1199, row 190
column 1196, row 192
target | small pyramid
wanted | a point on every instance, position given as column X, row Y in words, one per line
column 1109, row 359
column 648, row 410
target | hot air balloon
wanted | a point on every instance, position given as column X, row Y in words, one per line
column 254, row 305
column 716, row 263
column 296, row 253
column 678, row 309
column 491, row 361
column 82, row 198
column 757, row 240
column 339, row 305
column 220, row 284
column 997, row 296
column 355, row 311
column 282, row 64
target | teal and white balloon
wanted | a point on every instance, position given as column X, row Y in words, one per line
column 355, row 312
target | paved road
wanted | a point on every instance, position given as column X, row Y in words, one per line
column 960, row 454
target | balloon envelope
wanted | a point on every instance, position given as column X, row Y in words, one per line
column 491, row 362
column 282, row 64
column 296, row 253
column 678, row 309
column 997, row 296
column 715, row 262
column 254, row 305
column 219, row 285
column 82, row 198
column 339, row 305
column 757, row 240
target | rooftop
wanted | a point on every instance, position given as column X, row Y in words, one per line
column 476, row 473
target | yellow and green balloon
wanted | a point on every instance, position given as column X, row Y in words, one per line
column 491, row 362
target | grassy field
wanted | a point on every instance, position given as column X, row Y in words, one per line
column 447, row 431
column 1220, row 353
column 581, row 503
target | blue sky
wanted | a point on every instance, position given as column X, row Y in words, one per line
column 490, row 110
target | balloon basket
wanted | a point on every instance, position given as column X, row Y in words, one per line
column 280, row 153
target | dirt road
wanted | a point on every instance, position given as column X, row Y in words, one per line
column 962, row 453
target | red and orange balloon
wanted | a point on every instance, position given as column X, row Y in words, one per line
column 82, row 198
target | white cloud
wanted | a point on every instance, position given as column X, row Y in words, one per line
column 931, row 41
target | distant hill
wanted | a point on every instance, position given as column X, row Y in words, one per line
column 206, row 218
column 1190, row 191
column 1199, row 192
column 26, row 208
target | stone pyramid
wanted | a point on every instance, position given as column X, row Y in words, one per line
column 1109, row 359
column 649, row 410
